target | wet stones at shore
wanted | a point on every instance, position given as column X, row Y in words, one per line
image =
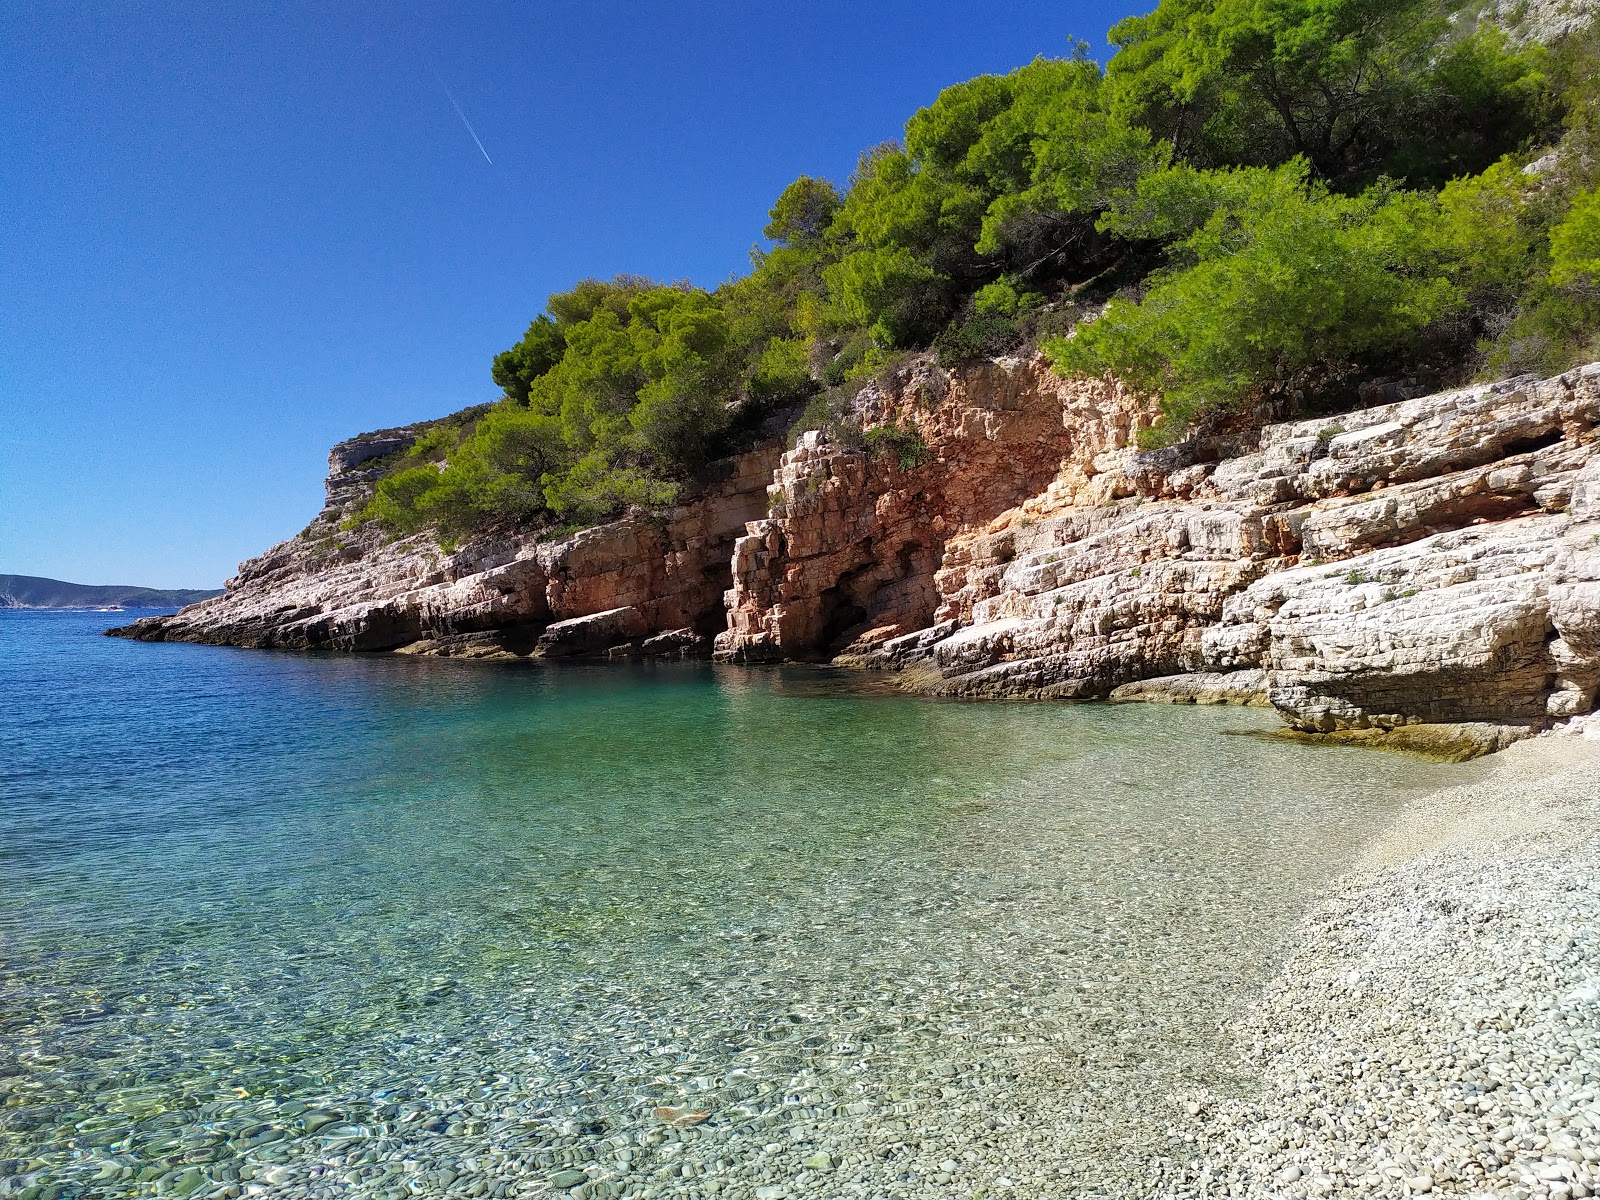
column 592, row 634
column 1455, row 742
column 1248, row 687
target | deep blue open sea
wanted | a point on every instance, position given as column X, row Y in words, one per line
column 317, row 925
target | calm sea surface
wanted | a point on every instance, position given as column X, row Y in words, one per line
column 320, row 925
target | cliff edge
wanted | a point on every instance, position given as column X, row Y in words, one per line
column 1431, row 560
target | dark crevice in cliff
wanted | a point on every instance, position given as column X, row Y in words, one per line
column 1528, row 445
column 843, row 616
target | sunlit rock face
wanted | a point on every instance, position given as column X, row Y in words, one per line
column 335, row 588
column 995, row 533
column 1430, row 560
column 850, row 552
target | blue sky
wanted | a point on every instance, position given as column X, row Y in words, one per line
column 232, row 235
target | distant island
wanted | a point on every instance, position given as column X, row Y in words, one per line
column 31, row 591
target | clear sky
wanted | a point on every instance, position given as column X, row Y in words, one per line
column 234, row 234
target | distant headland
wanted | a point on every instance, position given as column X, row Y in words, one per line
column 32, row 591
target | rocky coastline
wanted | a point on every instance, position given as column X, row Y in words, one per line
column 1421, row 573
column 1431, row 561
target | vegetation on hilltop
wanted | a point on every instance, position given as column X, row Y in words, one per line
column 1261, row 208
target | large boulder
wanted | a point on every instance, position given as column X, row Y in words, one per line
column 591, row 634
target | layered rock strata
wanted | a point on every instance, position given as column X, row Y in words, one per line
column 849, row 556
column 650, row 584
column 657, row 584
column 994, row 533
column 1431, row 560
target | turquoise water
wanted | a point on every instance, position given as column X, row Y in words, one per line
column 328, row 926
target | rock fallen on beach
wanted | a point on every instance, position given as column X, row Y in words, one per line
column 680, row 1116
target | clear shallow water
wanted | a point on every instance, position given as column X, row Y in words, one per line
column 382, row 926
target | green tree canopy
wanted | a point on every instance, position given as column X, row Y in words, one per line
column 1276, row 285
column 802, row 212
column 1356, row 87
column 1271, row 199
column 1575, row 244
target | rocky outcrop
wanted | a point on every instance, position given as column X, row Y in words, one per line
column 500, row 595
column 1202, row 687
column 1541, row 20
column 1433, row 560
column 993, row 532
column 848, row 557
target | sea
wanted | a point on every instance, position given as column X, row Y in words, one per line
column 312, row 925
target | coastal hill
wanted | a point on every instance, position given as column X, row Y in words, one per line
column 1404, row 571
column 1256, row 354
column 33, row 591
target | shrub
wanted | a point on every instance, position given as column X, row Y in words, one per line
column 852, row 352
column 905, row 446
column 1575, row 245
column 782, row 372
column 874, row 364
column 901, row 298
column 1275, row 286
column 830, row 413
column 983, row 336
column 394, row 504
column 816, row 415
column 595, row 490
column 1001, row 299
column 1558, row 320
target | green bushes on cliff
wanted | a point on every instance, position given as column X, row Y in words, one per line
column 1386, row 254
column 1558, row 322
column 1271, row 279
column 904, row 446
column 1358, row 89
column 637, row 398
column 1266, row 206
column 1277, row 286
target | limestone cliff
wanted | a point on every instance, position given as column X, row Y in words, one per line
column 850, row 553
column 1433, row 559
column 1429, row 560
column 658, row 582
column 650, row 584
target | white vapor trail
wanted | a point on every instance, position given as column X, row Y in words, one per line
column 449, row 96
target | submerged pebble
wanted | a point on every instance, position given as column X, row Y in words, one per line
column 465, row 934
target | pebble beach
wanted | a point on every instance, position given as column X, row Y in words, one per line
column 1437, row 1028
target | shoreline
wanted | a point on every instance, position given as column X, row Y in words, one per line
column 1435, row 1024
column 1053, row 1030
column 1448, row 742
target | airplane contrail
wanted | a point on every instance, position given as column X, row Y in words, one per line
column 449, row 96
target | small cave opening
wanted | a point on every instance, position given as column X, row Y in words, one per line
column 841, row 614
column 1528, row 445
column 710, row 616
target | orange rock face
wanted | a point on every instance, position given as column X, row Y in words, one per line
column 850, row 553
